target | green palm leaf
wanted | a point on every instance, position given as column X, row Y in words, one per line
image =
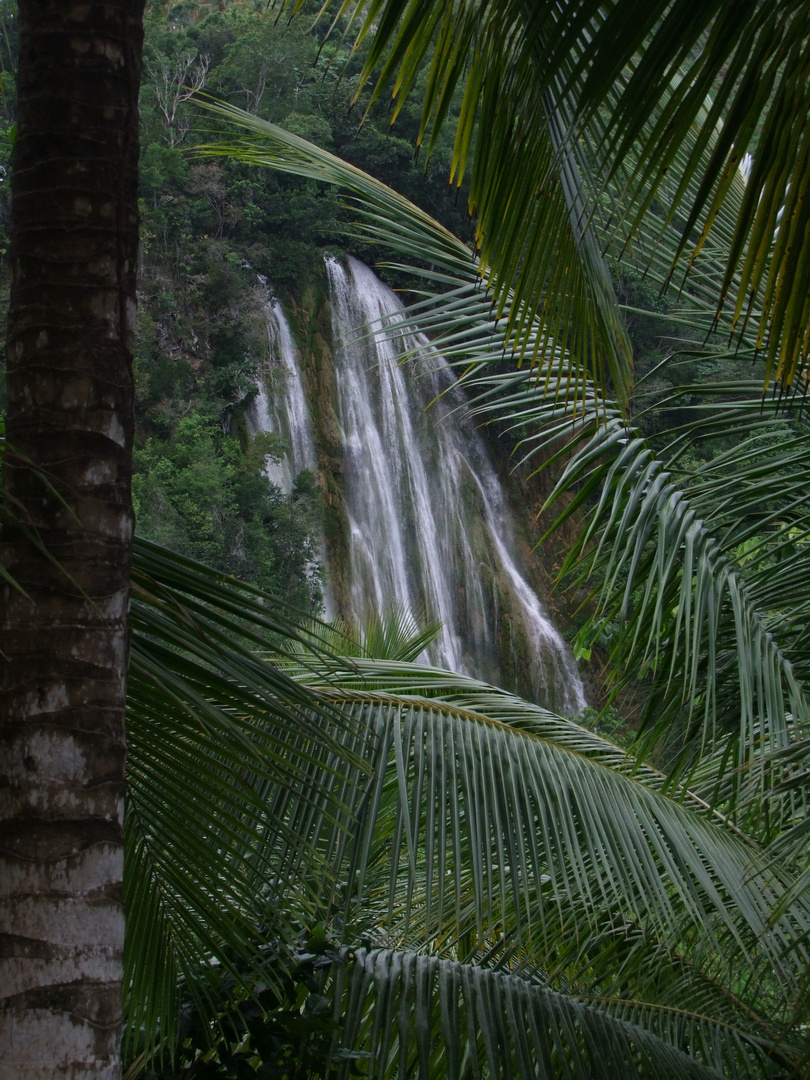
column 650, row 89
column 716, row 640
column 395, row 634
column 569, row 861
column 506, row 834
column 442, row 1018
column 212, row 730
column 527, row 843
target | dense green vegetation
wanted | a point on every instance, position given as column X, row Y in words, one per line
column 208, row 229
column 516, row 893
column 695, row 538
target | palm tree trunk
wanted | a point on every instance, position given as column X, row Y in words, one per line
column 65, row 645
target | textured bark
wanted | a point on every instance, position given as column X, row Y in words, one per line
column 62, row 685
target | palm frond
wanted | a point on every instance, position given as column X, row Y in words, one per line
column 511, row 839
column 394, row 634
column 437, row 1017
column 212, row 729
column 484, row 827
column 533, row 839
column 651, row 90
column 716, row 639
column 656, row 557
column 504, row 832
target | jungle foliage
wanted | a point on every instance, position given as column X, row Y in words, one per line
column 211, row 232
column 690, row 488
column 352, row 864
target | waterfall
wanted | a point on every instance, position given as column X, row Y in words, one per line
column 427, row 525
column 281, row 405
column 428, row 521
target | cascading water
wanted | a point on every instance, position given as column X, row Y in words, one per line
column 281, row 405
column 429, row 526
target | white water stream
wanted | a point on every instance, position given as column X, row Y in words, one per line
column 429, row 528
column 280, row 405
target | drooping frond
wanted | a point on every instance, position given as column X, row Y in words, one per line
column 595, row 107
column 528, row 844
column 211, row 729
column 660, row 555
column 456, row 798
column 434, row 812
column 441, row 1018
column 686, row 614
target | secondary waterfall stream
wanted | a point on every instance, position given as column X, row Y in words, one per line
column 286, row 411
column 428, row 527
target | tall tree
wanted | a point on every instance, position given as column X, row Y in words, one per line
column 64, row 623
